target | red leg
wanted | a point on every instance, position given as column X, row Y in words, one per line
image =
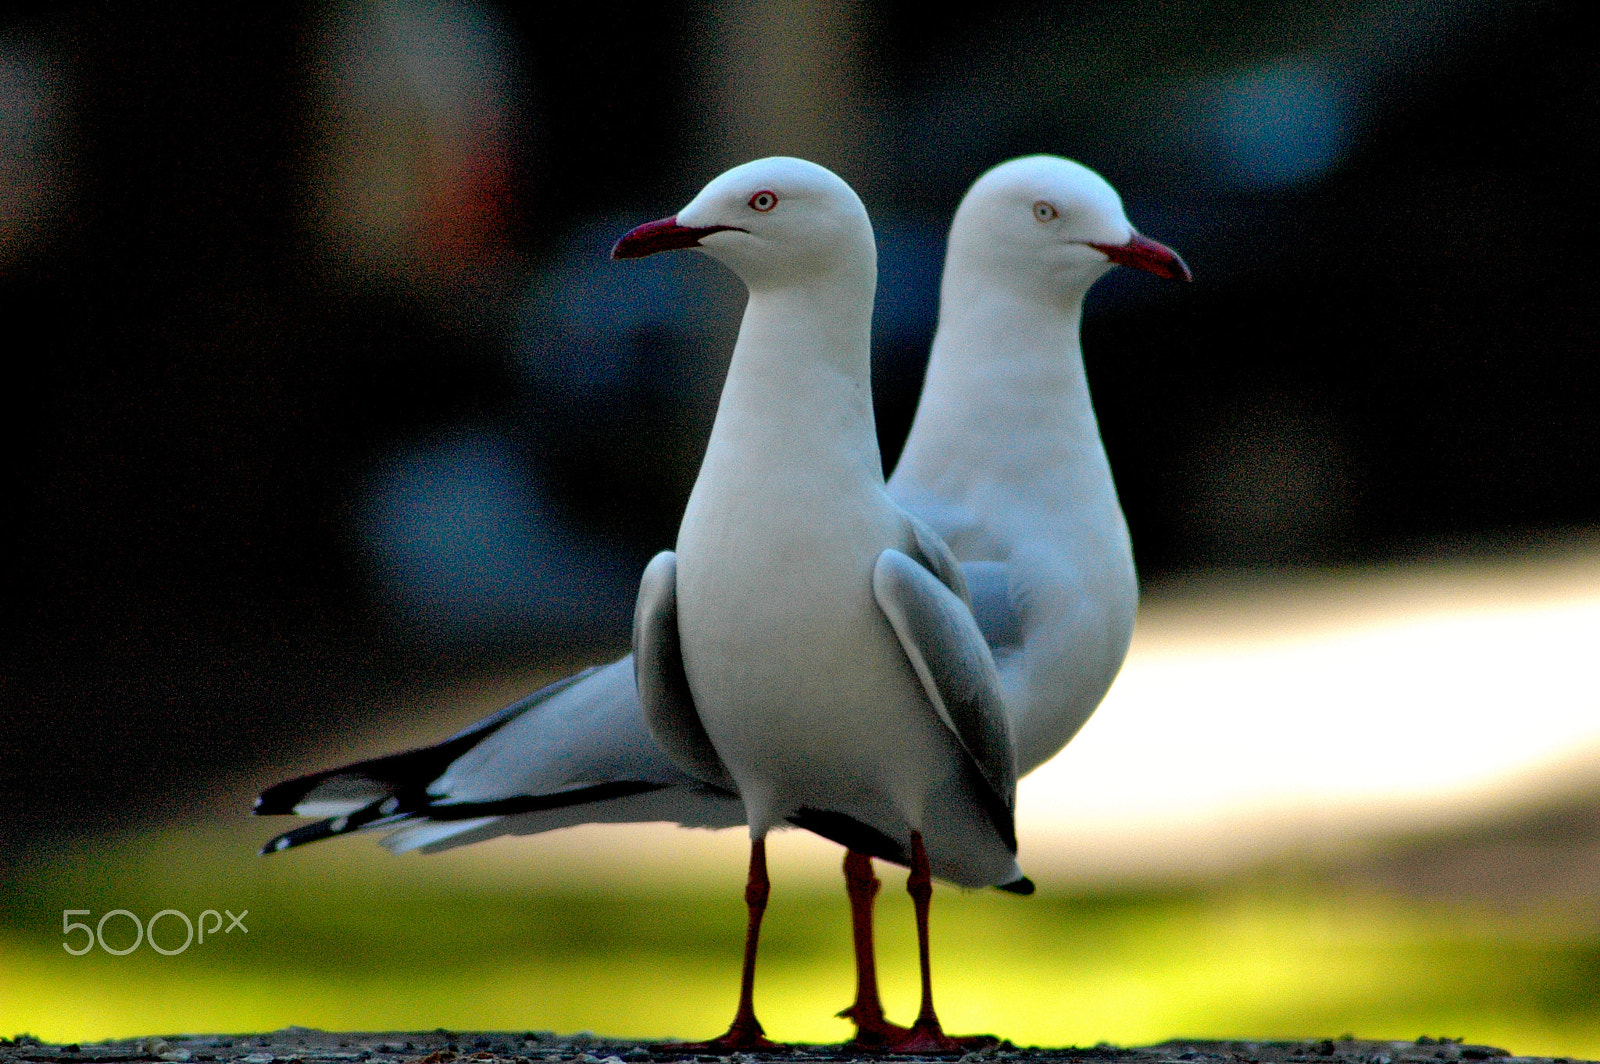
column 745, row 1032
column 926, row 1035
column 873, row 1031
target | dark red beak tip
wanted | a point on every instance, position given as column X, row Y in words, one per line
column 649, row 238
column 664, row 234
column 1148, row 255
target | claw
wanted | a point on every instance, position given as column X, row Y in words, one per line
column 873, row 1031
column 741, row 1037
column 930, row 1038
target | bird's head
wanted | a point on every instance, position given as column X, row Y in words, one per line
column 1052, row 227
column 774, row 222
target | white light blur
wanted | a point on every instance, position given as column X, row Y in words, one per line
column 1302, row 717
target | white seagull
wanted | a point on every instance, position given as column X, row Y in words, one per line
column 1004, row 459
column 809, row 645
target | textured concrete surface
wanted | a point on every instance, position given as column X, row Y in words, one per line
column 303, row 1046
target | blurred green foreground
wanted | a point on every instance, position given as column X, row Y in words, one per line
column 345, row 937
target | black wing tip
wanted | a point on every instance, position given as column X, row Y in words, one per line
column 1023, row 886
column 411, row 770
column 268, row 804
column 322, row 829
column 274, row 845
column 383, row 809
column 394, row 808
column 281, row 798
column 279, row 843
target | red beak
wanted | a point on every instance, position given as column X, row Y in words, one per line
column 663, row 235
column 1145, row 254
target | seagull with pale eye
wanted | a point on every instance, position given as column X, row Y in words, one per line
column 1004, row 459
column 1005, row 464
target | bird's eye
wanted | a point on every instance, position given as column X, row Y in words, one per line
column 1044, row 212
column 763, row 201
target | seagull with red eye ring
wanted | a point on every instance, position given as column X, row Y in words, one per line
column 809, row 644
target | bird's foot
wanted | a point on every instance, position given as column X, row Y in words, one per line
column 743, row 1036
column 926, row 1036
column 873, row 1031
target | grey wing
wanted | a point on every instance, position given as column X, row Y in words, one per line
column 994, row 604
column 984, row 585
column 663, row 686
column 939, row 636
column 937, row 557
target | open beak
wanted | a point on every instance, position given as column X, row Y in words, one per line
column 1141, row 253
column 663, row 235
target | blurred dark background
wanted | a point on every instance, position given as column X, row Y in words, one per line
column 320, row 387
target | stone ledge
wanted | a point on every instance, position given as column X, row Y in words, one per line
column 299, row 1045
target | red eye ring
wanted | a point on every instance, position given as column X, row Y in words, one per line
column 764, row 201
column 1045, row 211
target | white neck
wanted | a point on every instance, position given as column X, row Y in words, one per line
column 1005, row 417
column 799, row 389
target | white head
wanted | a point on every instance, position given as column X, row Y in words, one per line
column 1049, row 227
column 775, row 222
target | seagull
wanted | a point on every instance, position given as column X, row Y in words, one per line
column 1004, row 461
column 1004, row 458
column 810, row 644
column 1005, row 464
